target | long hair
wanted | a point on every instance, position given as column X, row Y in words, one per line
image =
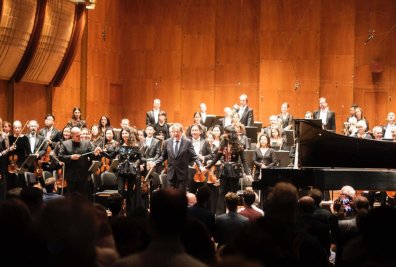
column 132, row 141
column 75, row 109
column 107, row 125
column 231, row 139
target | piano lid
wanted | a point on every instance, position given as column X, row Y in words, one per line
column 319, row 148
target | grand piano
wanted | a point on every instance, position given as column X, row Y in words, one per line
column 328, row 161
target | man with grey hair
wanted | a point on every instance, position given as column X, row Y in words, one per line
column 152, row 115
column 179, row 151
column 245, row 112
column 76, row 155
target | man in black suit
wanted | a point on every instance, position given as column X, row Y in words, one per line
column 152, row 115
column 324, row 114
column 245, row 112
column 49, row 133
column 179, row 151
column 152, row 148
column 36, row 142
column 76, row 154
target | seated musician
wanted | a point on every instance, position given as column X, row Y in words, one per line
column 274, row 123
column 350, row 128
column 377, row 132
column 308, row 115
column 361, row 130
column 276, row 141
column 387, row 130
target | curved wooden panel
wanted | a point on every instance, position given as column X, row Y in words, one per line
column 53, row 43
column 16, row 27
column 78, row 30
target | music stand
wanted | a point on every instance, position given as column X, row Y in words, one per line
column 251, row 132
column 259, row 125
column 94, row 166
column 209, row 121
column 283, row 158
column 113, row 165
column 27, row 163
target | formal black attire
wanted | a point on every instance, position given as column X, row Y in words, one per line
column 269, row 159
column 178, row 161
column 247, row 117
column 286, row 121
column 209, row 152
column 128, row 172
column 232, row 157
column 150, row 117
column 162, row 130
column 330, row 119
column 55, row 135
column 76, row 123
column 76, row 171
column 22, row 151
column 193, row 185
column 4, row 144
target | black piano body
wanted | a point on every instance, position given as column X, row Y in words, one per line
column 329, row 161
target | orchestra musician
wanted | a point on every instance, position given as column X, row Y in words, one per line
column 6, row 128
column 96, row 137
column 49, row 132
column 387, row 130
column 4, row 145
column 324, row 114
column 85, row 134
column 276, row 141
column 217, row 132
column 35, row 140
column 285, row 117
column 377, row 132
column 197, row 142
column 152, row 116
column 360, row 116
column 203, row 113
column 227, row 119
column 197, row 121
column 76, row 120
column 308, row 115
column 152, row 146
column 241, row 132
column 245, row 112
column 103, row 124
column 76, row 154
column 361, row 130
column 179, row 152
column 22, row 150
column 162, row 128
column 264, row 156
column 232, row 153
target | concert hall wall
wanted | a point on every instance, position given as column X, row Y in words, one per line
column 188, row 52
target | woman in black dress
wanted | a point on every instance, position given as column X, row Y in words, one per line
column 130, row 158
column 264, row 156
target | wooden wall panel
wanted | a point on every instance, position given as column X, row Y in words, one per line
column 29, row 102
column 289, row 52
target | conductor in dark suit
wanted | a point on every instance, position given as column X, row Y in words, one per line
column 179, row 151
column 245, row 112
column 74, row 154
column 152, row 115
column 324, row 114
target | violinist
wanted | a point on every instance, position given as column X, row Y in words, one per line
column 104, row 123
column 152, row 146
column 4, row 144
column 197, row 121
column 96, row 136
column 232, row 153
column 76, row 120
column 130, row 157
column 36, row 141
column 18, row 156
column 49, row 133
column 6, row 128
column 197, row 142
column 76, row 154
column 85, row 134
column 108, row 150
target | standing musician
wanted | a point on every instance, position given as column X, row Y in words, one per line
column 232, row 152
column 197, row 121
column 264, row 157
column 197, row 142
column 130, row 158
column 152, row 146
column 36, row 142
column 104, row 123
column 245, row 112
column 4, row 145
column 96, row 137
column 76, row 120
column 324, row 114
column 162, row 128
column 179, row 151
column 6, row 128
column 109, row 147
column 49, row 133
column 391, row 123
column 18, row 156
column 285, row 117
column 152, row 116
column 75, row 153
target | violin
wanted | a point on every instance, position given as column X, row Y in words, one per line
column 61, row 181
column 38, row 170
column 12, row 166
column 144, row 187
column 46, row 158
column 199, row 177
column 105, row 164
column 212, row 177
